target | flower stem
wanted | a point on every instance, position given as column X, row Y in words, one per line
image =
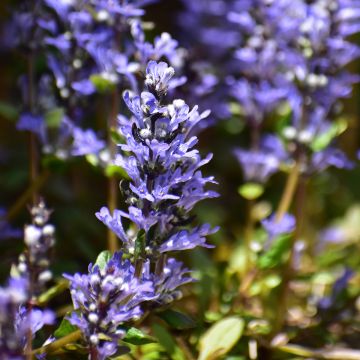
column 33, row 146
column 248, row 234
column 112, row 182
column 57, row 344
column 288, row 270
column 38, row 182
column 289, row 192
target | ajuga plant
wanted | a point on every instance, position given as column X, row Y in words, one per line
column 165, row 182
column 80, row 56
column 280, row 69
column 20, row 314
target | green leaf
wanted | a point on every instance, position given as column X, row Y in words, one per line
column 168, row 343
column 140, row 245
column 54, row 117
column 177, row 320
column 251, row 191
column 114, row 170
column 102, row 84
column 137, row 337
column 8, row 111
column 275, row 255
column 92, row 160
column 65, row 328
column 323, row 140
column 103, row 258
column 221, row 338
column 59, row 288
column 116, row 137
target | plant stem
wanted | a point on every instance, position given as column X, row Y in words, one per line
column 112, row 182
column 249, row 230
column 288, row 270
column 23, row 199
column 33, row 146
column 57, row 344
column 289, row 192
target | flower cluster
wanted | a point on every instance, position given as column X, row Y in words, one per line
column 164, row 170
column 90, row 47
column 165, row 184
column 16, row 321
column 19, row 318
column 105, row 299
column 277, row 53
column 39, row 239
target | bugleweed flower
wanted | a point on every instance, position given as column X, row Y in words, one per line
column 89, row 47
column 16, row 321
column 164, row 168
column 39, row 239
column 278, row 52
column 105, row 299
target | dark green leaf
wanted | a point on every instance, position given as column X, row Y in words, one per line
column 64, row 329
column 275, row 255
column 177, row 320
column 54, row 117
column 140, row 244
column 8, row 111
column 168, row 342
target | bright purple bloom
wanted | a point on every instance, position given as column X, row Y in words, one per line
column 275, row 228
column 106, row 298
column 86, row 142
column 163, row 166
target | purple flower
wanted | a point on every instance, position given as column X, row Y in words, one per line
column 185, row 240
column 275, row 228
column 163, row 167
column 86, row 142
column 106, row 298
column 39, row 238
column 257, row 166
column 167, row 284
column 158, row 76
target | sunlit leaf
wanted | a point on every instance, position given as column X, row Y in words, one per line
column 251, row 191
column 137, row 337
column 221, row 338
column 102, row 259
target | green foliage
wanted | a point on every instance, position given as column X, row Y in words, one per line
column 177, row 320
column 102, row 84
column 8, row 111
column 102, row 259
column 221, row 338
column 54, row 117
column 137, row 337
column 65, row 328
column 168, row 342
column 275, row 255
column 251, row 191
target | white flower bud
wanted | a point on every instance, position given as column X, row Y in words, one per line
column 93, row 318
column 32, row 235
column 94, row 339
column 45, row 276
column 48, row 230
